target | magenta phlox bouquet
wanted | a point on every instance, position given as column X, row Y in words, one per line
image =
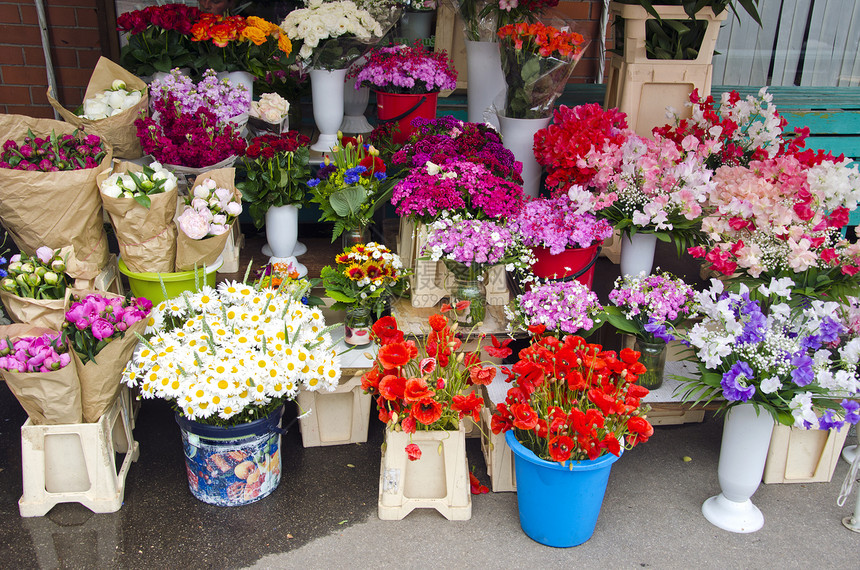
column 646, row 306
column 557, row 224
column 563, row 307
column 446, row 139
column 405, row 69
column 44, row 353
column 219, row 96
column 464, row 187
column 194, row 140
column 94, row 321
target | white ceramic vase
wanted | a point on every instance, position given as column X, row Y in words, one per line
column 637, row 253
column 282, row 223
column 486, row 80
column 743, row 453
column 518, row 136
column 327, row 94
column 354, row 105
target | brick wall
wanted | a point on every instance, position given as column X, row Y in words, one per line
column 587, row 14
column 73, row 32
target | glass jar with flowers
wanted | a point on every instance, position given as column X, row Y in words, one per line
column 572, row 410
column 423, row 392
column 644, row 306
column 469, row 248
column 237, row 353
column 407, row 80
column 332, row 36
column 364, row 281
column 276, row 172
column 764, row 357
column 564, row 236
column 349, row 188
column 561, row 307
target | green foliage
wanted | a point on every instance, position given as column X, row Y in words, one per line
column 277, row 181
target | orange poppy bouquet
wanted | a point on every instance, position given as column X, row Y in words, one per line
column 427, row 387
column 537, row 61
column 572, row 400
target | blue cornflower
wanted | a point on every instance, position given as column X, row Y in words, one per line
column 313, row 182
column 380, row 176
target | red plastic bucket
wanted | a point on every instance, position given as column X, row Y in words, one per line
column 402, row 109
column 572, row 263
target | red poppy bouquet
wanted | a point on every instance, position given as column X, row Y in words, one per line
column 537, row 61
column 572, row 400
column 427, row 387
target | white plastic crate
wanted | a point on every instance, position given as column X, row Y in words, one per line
column 499, row 457
column 803, row 456
column 336, row 418
column 439, row 480
column 76, row 463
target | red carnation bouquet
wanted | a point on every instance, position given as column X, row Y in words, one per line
column 572, row 400
column 427, row 387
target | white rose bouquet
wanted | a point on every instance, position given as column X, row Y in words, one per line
column 271, row 107
column 333, row 34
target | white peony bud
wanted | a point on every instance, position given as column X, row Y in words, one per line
column 234, row 208
column 117, row 84
column 115, row 99
column 110, row 190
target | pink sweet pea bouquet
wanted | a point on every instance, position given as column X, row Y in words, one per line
column 94, row 321
column 34, row 354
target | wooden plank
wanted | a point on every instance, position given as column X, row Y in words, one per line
column 790, row 40
column 739, row 54
column 765, row 36
column 849, row 72
column 834, row 123
column 847, row 145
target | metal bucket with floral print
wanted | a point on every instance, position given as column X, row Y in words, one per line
column 233, row 466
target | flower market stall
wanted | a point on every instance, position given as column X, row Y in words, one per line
column 447, row 286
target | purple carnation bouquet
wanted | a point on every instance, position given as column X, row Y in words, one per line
column 563, row 307
column 647, row 305
column 558, row 223
column 460, row 187
column 446, row 139
column 794, row 360
column 405, row 69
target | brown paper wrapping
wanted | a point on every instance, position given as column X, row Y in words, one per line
column 146, row 237
column 47, row 313
column 49, row 398
column 200, row 252
column 100, row 378
column 54, row 209
column 119, row 131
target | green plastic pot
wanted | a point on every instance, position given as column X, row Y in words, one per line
column 149, row 284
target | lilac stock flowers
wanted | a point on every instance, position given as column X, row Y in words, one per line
column 34, row 354
column 791, row 360
column 94, row 321
column 218, row 96
column 645, row 305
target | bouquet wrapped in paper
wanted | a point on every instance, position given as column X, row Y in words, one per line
column 537, row 61
column 113, row 100
column 50, row 162
column 34, row 289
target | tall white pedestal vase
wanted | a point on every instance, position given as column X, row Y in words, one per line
column 743, row 452
column 282, row 223
column 327, row 96
column 518, row 136
column 637, row 253
column 354, row 105
column 486, row 80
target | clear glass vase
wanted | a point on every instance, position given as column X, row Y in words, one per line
column 357, row 326
column 654, row 359
column 466, row 285
column 355, row 236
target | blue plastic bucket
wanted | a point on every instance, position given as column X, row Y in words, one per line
column 559, row 504
column 233, row 466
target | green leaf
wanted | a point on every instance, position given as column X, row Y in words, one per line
column 143, row 200
column 340, row 297
column 619, row 321
column 348, row 201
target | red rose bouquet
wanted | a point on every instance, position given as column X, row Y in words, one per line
column 537, row 60
column 427, row 387
column 159, row 38
column 572, row 400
